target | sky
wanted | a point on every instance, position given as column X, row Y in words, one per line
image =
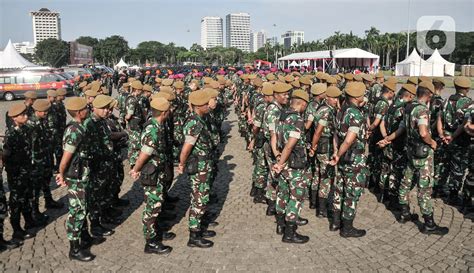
column 179, row 21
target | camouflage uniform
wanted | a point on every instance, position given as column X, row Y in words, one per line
column 197, row 133
column 261, row 168
column 121, row 99
column 119, row 145
column 440, row 171
column 352, row 168
column 457, row 151
column 292, row 184
column 380, row 110
column 375, row 92
column 153, row 143
column 77, row 179
column 179, row 117
column 134, row 126
column 61, row 118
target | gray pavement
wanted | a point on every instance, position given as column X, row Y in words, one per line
column 246, row 239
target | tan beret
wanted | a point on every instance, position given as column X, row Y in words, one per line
column 438, row 80
column 199, row 98
column 463, row 82
column 113, row 103
column 358, row 78
column 295, row 84
column 61, row 92
column 427, row 85
column 271, row 77
column 101, row 101
column 52, row 93
column 214, row 84
column 289, row 78
column 243, row 77
column 267, row 89
column 167, row 82
column 178, row 85
column 95, row 87
column 16, row 109
column 252, row 76
column 410, row 88
column 257, row 82
column 82, row 84
column 41, row 105
column 331, row 80
column 147, row 88
column 367, row 77
column 424, row 79
column 300, row 94
column 158, row 80
column 318, row 88
column 391, row 86
column 221, row 80
column 76, row 103
column 379, row 75
column 166, row 89
column 392, row 79
column 413, row 80
column 349, row 76
column 355, row 89
column 207, row 80
column 137, row 85
column 91, row 93
column 280, row 87
column 211, row 92
column 281, row 78
column 165, row 95
column 160, row 104
column 333, row 92
column 31, row 95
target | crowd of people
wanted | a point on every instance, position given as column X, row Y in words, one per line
column 311, row 135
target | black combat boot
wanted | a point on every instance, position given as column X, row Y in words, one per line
column 29, row 221
column 87, row 240
column 336, row 221
column 156, row 247
column 18, row 232
column 164, row 235
column 196, row 240
column 78, row 253
column 312, row 199
column 207, row 233
column 301, row 221
column 280, row 219
column 98, row 230
column 322, row 211
column 405, row 216
column 253, row 191
column 259, row 197
column 41, row 219
column 382, row 196
column 430, row 227
column 454, row 199
column 291, row 236
column 51, row 204
column 12, row 244
column 349, row 231
column 271, row 209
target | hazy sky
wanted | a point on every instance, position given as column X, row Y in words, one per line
column 179, row 21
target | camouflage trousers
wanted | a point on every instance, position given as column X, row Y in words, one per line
column 167, row 179
column 100, row 196
column 199, row 194
column 78, row 190
column 133, row 146
column 387, row 177
column 468, row 189
column 21, row 195
column 272, row 181
column 117, row 175
column 440, row 167
column 458, row 161
column 292, row 188
column 260, row 170
column 153, row 201
column 375, row 162
column 41, row 179
column 323, row 175
column 418, row 172
column 3, row 207
column 349, row 185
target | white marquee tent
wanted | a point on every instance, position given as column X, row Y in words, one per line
column 11, row 59
column 350, row 57
column 121, row 64
column 414, row 65
column 439, row 66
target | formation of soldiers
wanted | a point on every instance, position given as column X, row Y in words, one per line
column 312, row 136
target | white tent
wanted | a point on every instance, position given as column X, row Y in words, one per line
column 121, row 64
column 294, row 63
column 439, row 66
column 349, row 57
column 414, row 65
column 11, row 59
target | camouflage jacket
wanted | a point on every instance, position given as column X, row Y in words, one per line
column 436, row 106
column 326, row 116
column 17, row 149
column 416, row 114
column 153, row 142
column 271, row 118
column 197, row 133
column 41, row 145
column 311, row 110
column 454, row 111
column 291, row 125
column 351, row 119
column 259, row 114
column 75, row 142
column 100, row 145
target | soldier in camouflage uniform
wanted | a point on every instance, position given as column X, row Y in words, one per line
column 212, row 123
column 195, row 156
column 376, row 89
column 292, row 166
column 4, row 244
column 135, row 119
column 30, row 97
column 270, row 122
column 62, row 117
column 101, row 152
column 179, row 117
column 453, row 115
column 149, row 169
column 121, row 99
column 351, row 160
column 322, row 148
column 144, row 100
column 17, row 159
column 74, row 173
column 420, row 158
column 377, row 133
column 468, row 189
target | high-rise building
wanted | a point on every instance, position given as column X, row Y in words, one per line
column 24, row 47
column 292, row 37
column 257, row 40
column 273, row 41
column 212, row 32
column 46, row 24
column 238, row 31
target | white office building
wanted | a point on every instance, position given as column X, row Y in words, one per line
column 238, row 31
column 212, row 32
column 273, row 41
column 24, row 47
column 257, row 40
column 46, row 24
column 292, row 37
